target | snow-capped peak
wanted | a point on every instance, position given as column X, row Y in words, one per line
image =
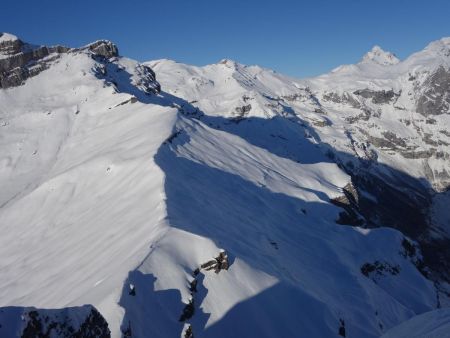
column 440, row 46
column 137, row 200
column 379, row 56
column 228, row 62
column 7, row 37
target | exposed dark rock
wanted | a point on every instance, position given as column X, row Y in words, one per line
column 147, row 80
column 274, row 244
column 409, row 249
column 75, row 322
column 104, row 48
column 445, row 132
column 127, row 333
column 322, row 123
column 378, row 269
column 188, row 311
column 94, row 326
column 10, row 46
column 247, row 98
column 398, row 141
column 418, row 154
column 401, row 202
column 427, row 138
column 349, row 202
column 341, row 331
column 219, row 263
column 378, row 97
column 351, row 194
column 388, row 141
column 21, row 61
column 189, row 333
column 144, row 83
column 397, row 201
column 293, row 97
column 132, row 99
column 344, row 98
column 435, row 99
column 193, row 286
column 436, row 253
column 172, row 137
column 242, row 111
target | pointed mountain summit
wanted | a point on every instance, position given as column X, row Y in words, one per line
column 379, row 56
column 7, row 37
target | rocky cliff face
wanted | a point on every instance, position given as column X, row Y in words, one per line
column 20, row 61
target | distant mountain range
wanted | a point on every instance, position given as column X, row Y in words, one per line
column 160, row 199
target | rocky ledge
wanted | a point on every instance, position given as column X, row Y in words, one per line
column 20, row 61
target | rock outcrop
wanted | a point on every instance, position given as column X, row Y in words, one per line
column 77, row 322
column 217, row 264
column 20, row 61
column 435, row 98
column 103, row 48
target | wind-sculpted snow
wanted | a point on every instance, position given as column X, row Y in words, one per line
column 282, row 224
column 81, row 196
column 382, row 122
column 219, row 203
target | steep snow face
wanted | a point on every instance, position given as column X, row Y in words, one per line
column 81, row 198
column 383, row 124
column 211, row 206
column 371, row 118
column 229, row 186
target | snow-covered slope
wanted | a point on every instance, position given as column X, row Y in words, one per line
column 81, row 197
column 383, row 121
column 433, row 324
column 211, row 206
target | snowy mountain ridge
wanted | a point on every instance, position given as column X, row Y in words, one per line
column 222, row 200
column 379, row 56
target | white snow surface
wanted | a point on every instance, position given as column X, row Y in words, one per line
column 433, row 324
column 72, row 227
column 7, row 37
column 98, row 195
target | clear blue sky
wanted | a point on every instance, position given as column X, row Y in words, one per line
column 299, row 38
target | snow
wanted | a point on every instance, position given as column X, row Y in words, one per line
column 68, row 215
column 433, row 324
column 99, row 193
column 5, row 37
column 15, row 319
column 379, row 56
